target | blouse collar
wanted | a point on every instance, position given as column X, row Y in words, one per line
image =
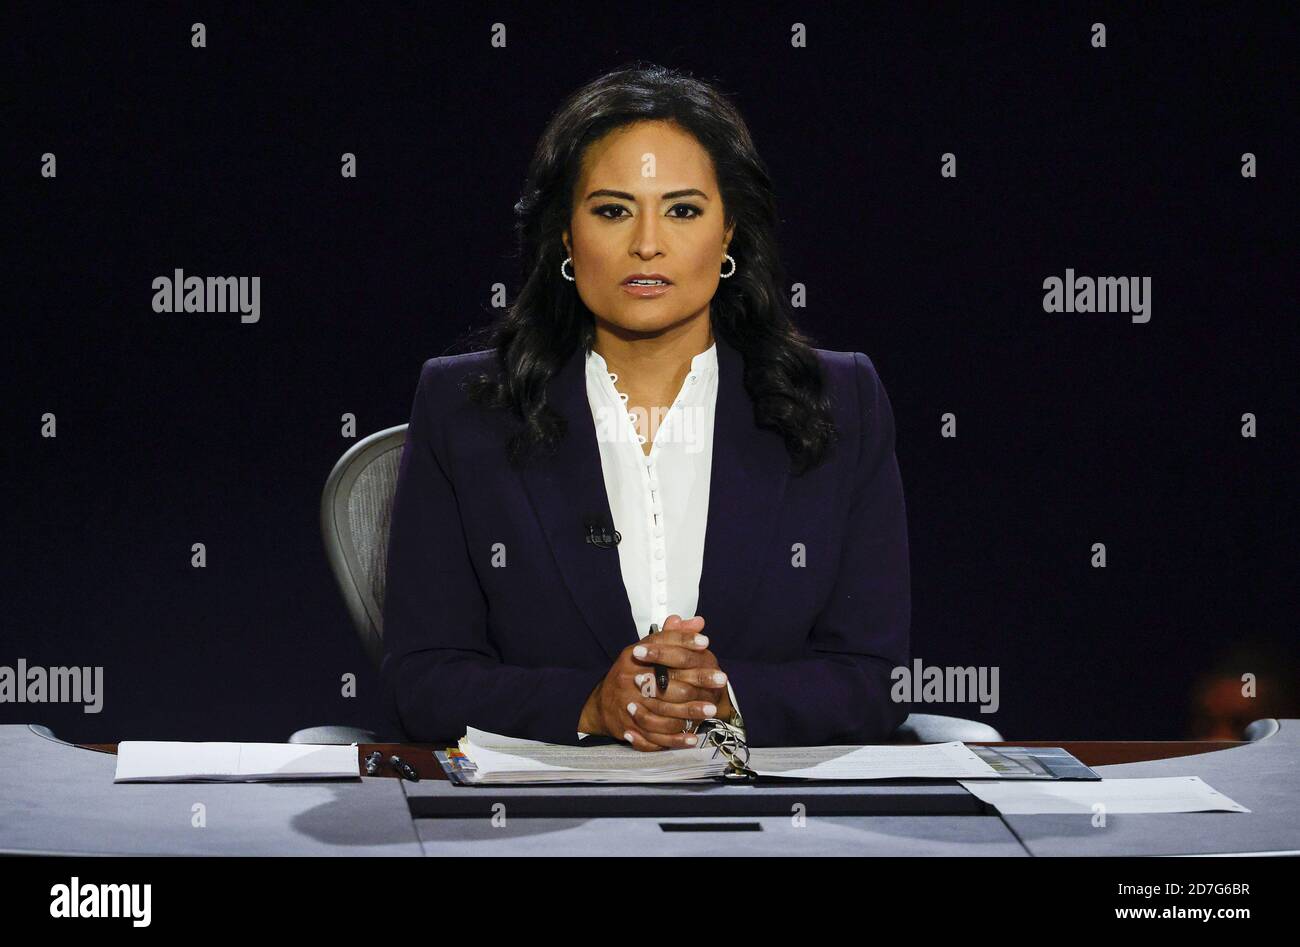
column 704, row 363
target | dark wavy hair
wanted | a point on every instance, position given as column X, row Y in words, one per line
column 750, row 311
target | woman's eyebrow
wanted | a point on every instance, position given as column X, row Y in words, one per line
column 671, row 195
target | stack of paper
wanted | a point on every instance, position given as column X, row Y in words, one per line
column 161, row 761
column 500, row 759
column 898, row 761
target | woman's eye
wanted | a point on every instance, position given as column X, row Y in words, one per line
column 615, row 211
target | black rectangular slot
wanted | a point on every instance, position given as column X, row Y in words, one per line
column 711, row 826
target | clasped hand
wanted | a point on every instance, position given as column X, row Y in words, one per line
column 627, row 703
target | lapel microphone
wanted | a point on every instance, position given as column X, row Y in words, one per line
column 600, row 534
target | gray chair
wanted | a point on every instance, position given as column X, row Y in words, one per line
column 356, row 510
column 1261, row 729
column 936, row 728
column 43, row 731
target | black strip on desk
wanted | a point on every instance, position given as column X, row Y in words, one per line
column 432, row 799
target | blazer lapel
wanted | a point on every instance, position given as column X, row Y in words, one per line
column 567, row 488
column 746, row 485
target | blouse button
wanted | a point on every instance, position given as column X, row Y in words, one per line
column 662, row 598
column 659, row 553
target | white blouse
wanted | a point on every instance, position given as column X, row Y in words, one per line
column 660, row 501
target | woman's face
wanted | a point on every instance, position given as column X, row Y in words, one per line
column 647, row 202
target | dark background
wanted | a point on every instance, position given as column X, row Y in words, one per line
column 1073, row 428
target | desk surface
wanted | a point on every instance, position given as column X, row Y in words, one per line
column 67, row 803
column 1089, row 752
column 1263, row 776
column 61, row 799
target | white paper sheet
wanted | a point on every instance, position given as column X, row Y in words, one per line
column 921, row 761
column 176, row 761
column 1118, row 796
column 497, row 757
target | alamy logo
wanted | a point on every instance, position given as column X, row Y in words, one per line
column 1103, row 294
column 181, row 293
column 77, row 900
column 946, row 685
column 55, row 685
column 684, row 425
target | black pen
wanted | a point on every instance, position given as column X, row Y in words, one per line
column 661, row 670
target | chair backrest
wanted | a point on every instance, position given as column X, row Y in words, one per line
column 1261, row 729
column 937, row 728
column 355, row 515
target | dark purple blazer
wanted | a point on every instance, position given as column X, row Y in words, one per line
column 517, row 648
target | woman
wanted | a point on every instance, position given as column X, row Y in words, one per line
column 648, row 437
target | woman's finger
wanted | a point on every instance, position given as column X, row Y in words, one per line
column 679, row 691
column 679, row 712
column 670, row 737
column 674, row 656
column 651, row 723
column 676, row 622
column 706, row 677
column 638, row 741
column 640, row 737
column 687, row 636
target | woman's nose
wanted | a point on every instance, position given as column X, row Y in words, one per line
column 645, row 241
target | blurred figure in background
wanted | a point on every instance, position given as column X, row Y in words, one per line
column 1223, row 703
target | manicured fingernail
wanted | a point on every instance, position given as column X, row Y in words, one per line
column 631, row 708
column 639, row 651
column 710, row 710
column 701, row 640
column 719, row 678
column 627, row 735
column 691, row 740
column 639, row 679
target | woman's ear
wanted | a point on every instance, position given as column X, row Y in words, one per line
column 564, row 238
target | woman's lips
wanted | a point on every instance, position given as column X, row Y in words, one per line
column 646, row 291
